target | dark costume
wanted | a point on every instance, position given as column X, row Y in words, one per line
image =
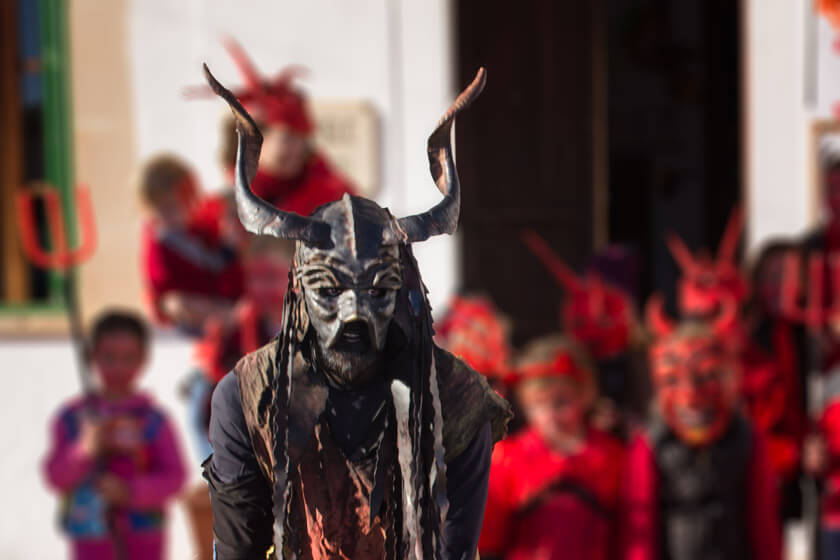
column 699, row 481
column 338, row 438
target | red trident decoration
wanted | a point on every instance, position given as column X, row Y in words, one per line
column 811, row 306
column 61, row 257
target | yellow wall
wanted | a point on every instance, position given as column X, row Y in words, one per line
column 105, row 154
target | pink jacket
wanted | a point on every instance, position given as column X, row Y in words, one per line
column 142, row 451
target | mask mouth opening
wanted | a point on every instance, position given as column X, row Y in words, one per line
column 354, row 338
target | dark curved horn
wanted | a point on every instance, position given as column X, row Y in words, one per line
column 257, row 215
column 443, row 218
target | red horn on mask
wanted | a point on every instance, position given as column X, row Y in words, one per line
column 681, row 253
column 561, row 272
column 657, row 320
column 253, row 80
column 731, row 236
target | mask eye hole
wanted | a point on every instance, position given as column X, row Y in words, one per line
column 377, row 292
column 330, row 292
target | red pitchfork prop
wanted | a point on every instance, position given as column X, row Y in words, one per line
column 61, row 258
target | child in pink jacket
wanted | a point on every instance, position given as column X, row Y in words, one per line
column 113, row 457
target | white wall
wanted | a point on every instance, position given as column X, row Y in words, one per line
column 395, row 54
column 781, row 68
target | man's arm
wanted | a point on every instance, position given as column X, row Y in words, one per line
column 467, row 476
column 239, row 493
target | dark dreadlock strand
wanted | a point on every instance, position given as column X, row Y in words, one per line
column 282, row 392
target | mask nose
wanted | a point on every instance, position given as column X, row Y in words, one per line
column 348, row 307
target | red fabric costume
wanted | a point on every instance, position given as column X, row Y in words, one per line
column 829, row 425
column 274, row 101
column 699, row 480
column 317, row 184
column 222, row 347
column 544, row 503
column 191, row 261
column 770, row 391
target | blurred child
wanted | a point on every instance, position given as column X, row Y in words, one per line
column 113, row 456
column 599, row 315
column 258, row 319
column 699, row 483
column 554, row 488
column 189, row 264
column 291, row 175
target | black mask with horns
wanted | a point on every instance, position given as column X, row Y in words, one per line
column 354, row 284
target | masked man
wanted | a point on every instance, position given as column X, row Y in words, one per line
column 699, row 481
column 351, row 435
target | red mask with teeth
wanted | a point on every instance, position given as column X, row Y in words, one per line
column 596, row 314
column 706, row 281
column 694, row 373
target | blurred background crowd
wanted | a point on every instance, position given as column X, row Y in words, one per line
column 645, row 263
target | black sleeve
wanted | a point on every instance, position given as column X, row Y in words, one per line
column 239, row 493
column 467, row 476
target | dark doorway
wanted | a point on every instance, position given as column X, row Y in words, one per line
column 674, row 128
column 612, row 121
column 526, row 149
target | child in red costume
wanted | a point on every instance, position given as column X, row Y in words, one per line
column 291, row 174
column 114, row 456
column 190, row 270
column 600, row 317
column 699, row 483
column 554, row 488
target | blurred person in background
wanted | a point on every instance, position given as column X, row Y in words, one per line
column 258, row 318
column 292, row 175
column 598, row 313
column 190, row 269
column 554, row 488
column 114, row 457
column 699, row 482
column 773, row 380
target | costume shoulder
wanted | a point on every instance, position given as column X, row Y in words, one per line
column 467, row 403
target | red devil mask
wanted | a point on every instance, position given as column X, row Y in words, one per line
column 705, row 282
column 272, row 100
column 473, row 331
column 598, row 315
column 695, row 374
